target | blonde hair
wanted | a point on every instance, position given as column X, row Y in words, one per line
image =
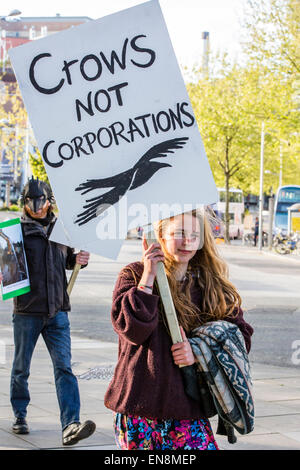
column 219, row 297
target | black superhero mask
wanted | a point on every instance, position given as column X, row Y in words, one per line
column 35, row 194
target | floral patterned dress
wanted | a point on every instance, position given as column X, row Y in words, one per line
column 137, row 433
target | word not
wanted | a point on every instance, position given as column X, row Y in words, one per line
column 91, row 65
column 140, row 126
column 101, row 101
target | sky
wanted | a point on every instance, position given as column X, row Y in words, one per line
column 185, row 19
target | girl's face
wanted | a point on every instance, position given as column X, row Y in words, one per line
column 182, row 237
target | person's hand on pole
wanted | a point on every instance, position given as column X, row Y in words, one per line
column 82, row 258
column 182, row 352
column 152, row 255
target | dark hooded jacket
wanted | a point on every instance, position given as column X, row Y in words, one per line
column 47, row 262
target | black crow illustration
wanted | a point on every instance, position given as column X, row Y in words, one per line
column 128, row 180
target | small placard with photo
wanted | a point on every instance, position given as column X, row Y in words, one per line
column 13, row 262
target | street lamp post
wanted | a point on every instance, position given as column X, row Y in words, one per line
column 280, row 167
column 3, row 45
column 26, row 159
column 261, row 187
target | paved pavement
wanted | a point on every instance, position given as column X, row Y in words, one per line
column 276, row 391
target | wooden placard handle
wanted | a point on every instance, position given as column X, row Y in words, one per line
column 73, row 277
column 165, row 294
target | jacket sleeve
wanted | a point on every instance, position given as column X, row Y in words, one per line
column 247, row 330
column 134, row 313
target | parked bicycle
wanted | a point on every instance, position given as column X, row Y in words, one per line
column 284, row 244
column 249, row 238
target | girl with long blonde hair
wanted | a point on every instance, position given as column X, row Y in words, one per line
column 152, row 410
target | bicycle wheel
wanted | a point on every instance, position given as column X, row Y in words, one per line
column 248, row 239
column 282, row 249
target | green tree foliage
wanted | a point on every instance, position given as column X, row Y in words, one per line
column 230, row 136
column 15, row 133
column 273, row 34
column 272, row 41
column 37, row 167
column 13, row 125
column 230, row 108
column 232, row 101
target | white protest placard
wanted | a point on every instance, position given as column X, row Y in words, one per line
column 114, row 124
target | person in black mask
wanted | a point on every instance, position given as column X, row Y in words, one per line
column 43, row 311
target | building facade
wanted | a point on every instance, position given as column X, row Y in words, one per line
column 15, row 32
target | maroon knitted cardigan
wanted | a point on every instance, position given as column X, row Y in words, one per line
column 146, row 381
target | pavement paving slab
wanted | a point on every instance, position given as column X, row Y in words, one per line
column 276, row 392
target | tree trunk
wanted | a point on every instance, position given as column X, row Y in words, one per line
column 227, row 180
column 227, row 216
column 7, row 194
